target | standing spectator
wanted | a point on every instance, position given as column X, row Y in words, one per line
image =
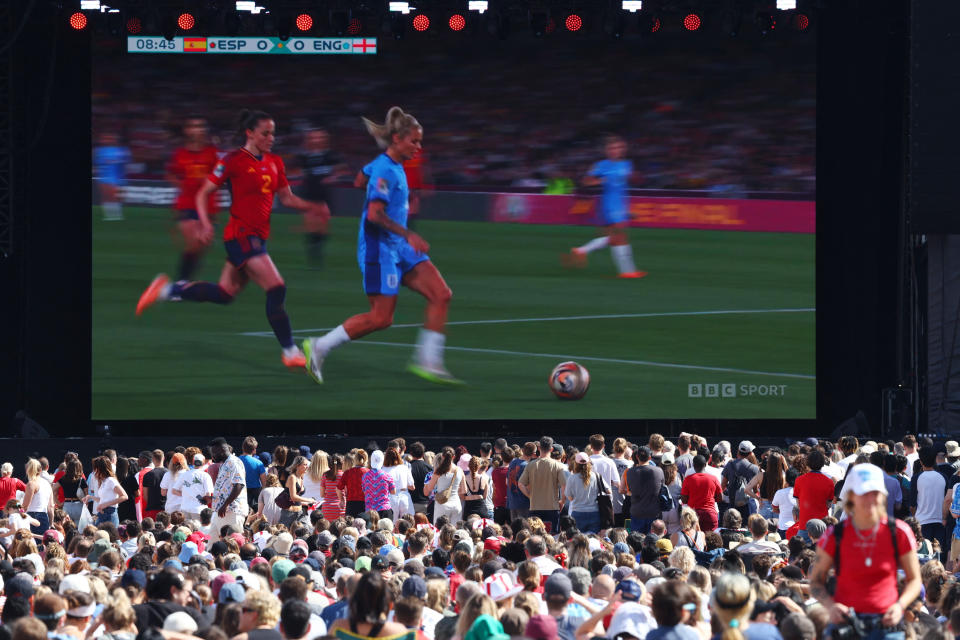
column 313, row 478
column 253, row 468
column 334, row 500
column 152, row 496
column 671, row 517
column 127, row 477
column 737, row 474
column 784, row 502
column 229, row 490
column 701, row 491
column 378, row 486
column 542, row 481
column 603, row 465
column 621, row 459
column 351, row 482
column 293, row 485
column 498, row 476
column 813, row 490
column 420, row 471
column 866, row 560
column 145, row 461
column 684, row 455
column 848, row 447
column 10, row 485
column 109, row 492
column 196, row 489
column 770, row 480
column 401, row 502
column 910, row 451
column 178, row 464
column 38, row 498
column 930, row 491
column 473, row 489
column 445, row 483
column 72, row 486
column 517, row 500
column 644, row 482
column 581, row 494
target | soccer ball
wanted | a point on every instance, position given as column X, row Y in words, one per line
column 569, row 381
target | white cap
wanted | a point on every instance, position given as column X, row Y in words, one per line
column 745, row 446
column 75, row 582
column 953, row 449
column 181, row 622
column 341, row 572
column 863, row 478
column 376, row 459
column 667, row 459
column 198, row 458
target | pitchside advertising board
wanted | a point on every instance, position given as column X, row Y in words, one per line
column 219, row 44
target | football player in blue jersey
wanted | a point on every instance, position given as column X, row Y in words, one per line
column 110, row 161
column 613, row 174
column 390, row 255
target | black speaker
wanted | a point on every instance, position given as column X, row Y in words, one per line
column 855, row 426
column 26, row 427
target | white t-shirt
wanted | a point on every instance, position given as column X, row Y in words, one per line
column 846, row 462
column 17, row 522
column 311, row 489
column 193, row 484
column 783, row 499
column 402, row 477
column 931, row 488
column 607, row 470
column 911, row 458
column 107, row 490
column 833, row 470
column 173, row 502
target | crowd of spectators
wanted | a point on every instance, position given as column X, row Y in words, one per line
column 727, row 117
column 642, row 540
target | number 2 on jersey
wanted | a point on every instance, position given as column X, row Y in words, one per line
column 267, row 181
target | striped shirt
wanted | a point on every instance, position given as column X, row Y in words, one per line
column 377, row 487
column 331, row 508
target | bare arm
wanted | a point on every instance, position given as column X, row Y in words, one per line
column 288, row 199
column 361, row 180
column 203, row 194
column 377, row 214
column 818, row 587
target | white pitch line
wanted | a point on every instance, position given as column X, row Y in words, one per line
column 665, row 314
column 645, row 363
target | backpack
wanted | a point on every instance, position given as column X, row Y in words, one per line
column 838, row 537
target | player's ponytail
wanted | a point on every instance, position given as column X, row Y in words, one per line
column 248, row 119
column 397, row 122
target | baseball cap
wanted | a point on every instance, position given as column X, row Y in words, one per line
column 486, row 628
column 74, row 582
column 219, row 582
column 746, row 446
column 581, row 458
column 863, row 478
column 631, row 619
column 432, row 572
column 20, row 586
column 395, row 557
column 414, row 586
column 99, row 547
column 559, row 585
column 622, row 573
column 493, row 544
column 280, row 569
column 187, row 551
column 325, row 538
column 134, row 577
column 361, row 563
column 816, row 527
column 198, row 459
column 667, row 459
column 181, row 622
column 630, row 589
column 664, row 545
column 231, row 592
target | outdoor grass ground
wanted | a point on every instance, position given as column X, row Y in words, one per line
column 515, row 314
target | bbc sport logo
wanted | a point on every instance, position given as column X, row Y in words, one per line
column 734, row 390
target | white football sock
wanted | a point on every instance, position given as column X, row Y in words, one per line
column 623, row 257
column 430, row 348
column 596, row 243
column 291, row 351
column 332, row 340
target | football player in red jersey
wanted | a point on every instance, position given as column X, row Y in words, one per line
column 417, row 175
column 255, row 176
column 188, row 168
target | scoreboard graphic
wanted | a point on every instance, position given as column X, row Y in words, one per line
column 231, row 45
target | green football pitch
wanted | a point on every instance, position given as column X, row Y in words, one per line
column 722, row 327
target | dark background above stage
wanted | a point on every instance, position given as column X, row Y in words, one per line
column 45, row 284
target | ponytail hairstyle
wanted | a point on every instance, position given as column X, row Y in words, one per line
column 397, row 123
column 336, row 464
column 446, row 461
column 248, row 119
column 732, row 602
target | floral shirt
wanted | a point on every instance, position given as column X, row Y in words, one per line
column 231, row 472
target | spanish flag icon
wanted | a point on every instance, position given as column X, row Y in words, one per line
column 194, row 45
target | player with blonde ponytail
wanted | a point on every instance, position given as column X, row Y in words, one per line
column 390, row 254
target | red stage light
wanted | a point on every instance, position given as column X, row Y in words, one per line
column 551, row 25
column 304, row 22
column 691, row 22
column 573, row 22
column 186, row 21
column 655, row 26
column 134, row 26
column 421, row 22
column 78, row 21
column 457, row 22
column 802, row 22
column 355, row 26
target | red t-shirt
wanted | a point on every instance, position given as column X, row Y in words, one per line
column 350, row 482
column 499, row 477
column 8, row 489
column 192, row 168
column 813, row 491
column 873, row 588
column 455, row 581
column 701, row 490
column 253, row 183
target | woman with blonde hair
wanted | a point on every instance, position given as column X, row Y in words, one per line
column 38, row 498
column 731, row 605
column 865, row 551
column 267, row 500
column 178, row 464
column 313, row 478
column 581, row 493
column 473, row 489
column 689, row 534
column 479, row 605
column 390, row 255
